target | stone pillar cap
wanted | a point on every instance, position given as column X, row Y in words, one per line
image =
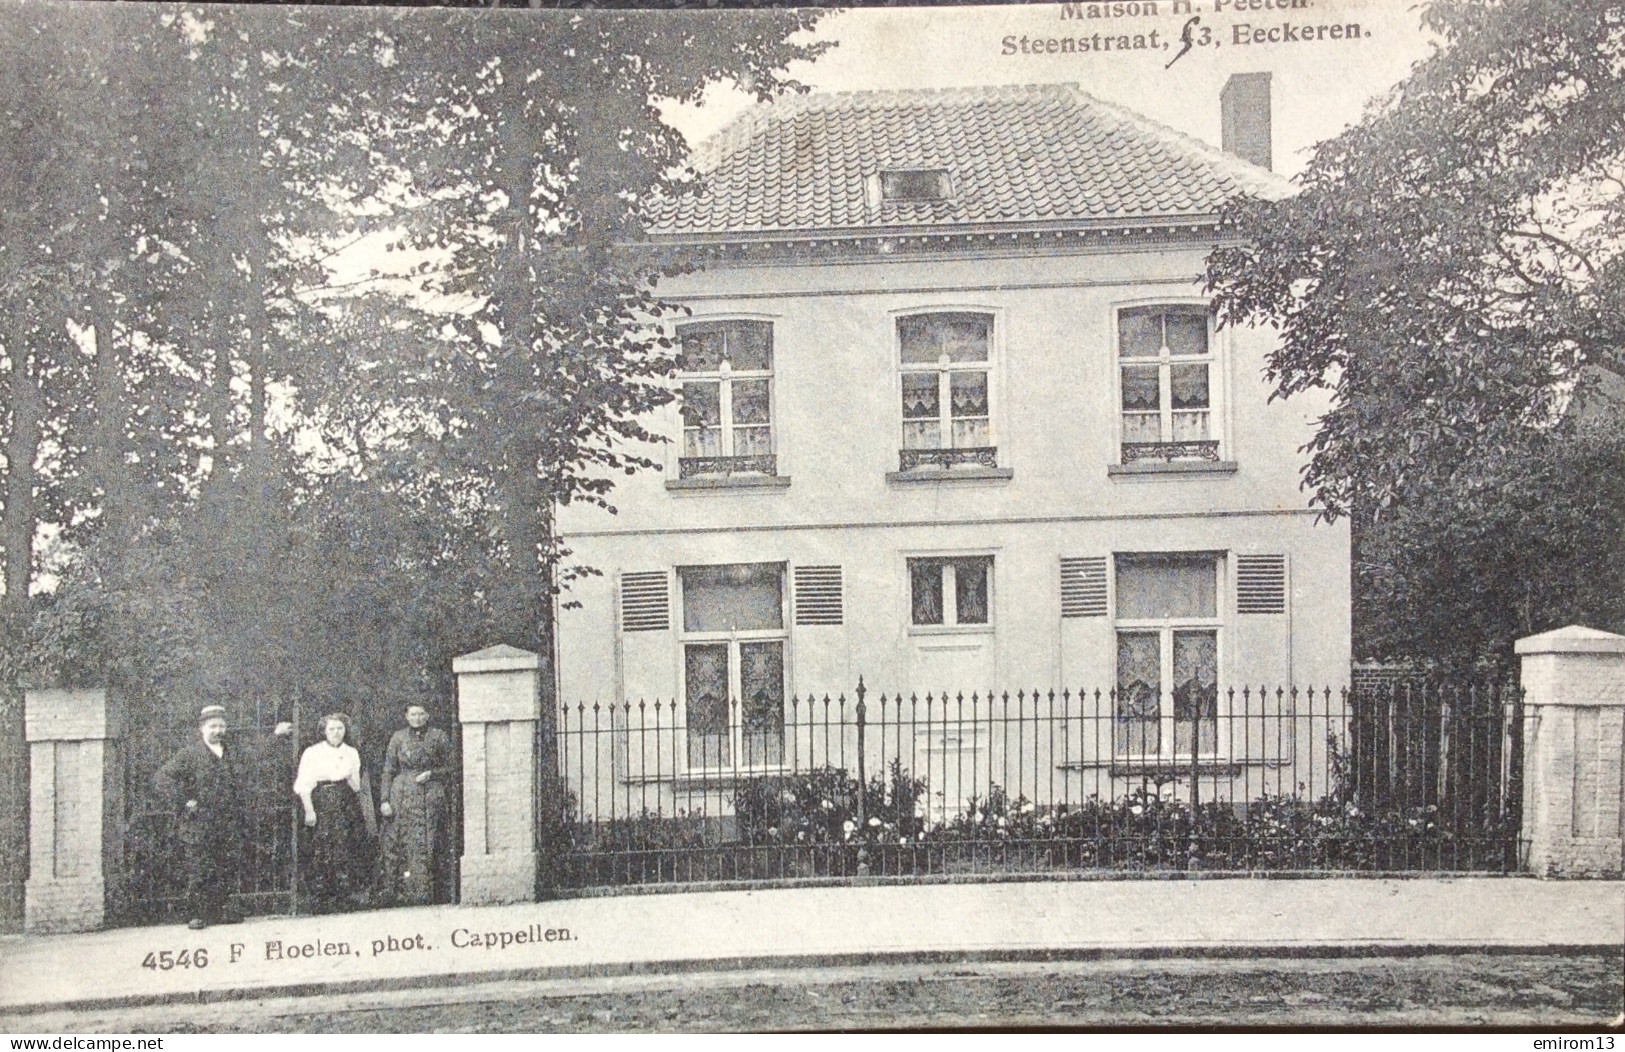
column 500, row 658
column 72, row 714
column 1572, row 639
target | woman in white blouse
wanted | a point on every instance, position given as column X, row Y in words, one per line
column 328, row 784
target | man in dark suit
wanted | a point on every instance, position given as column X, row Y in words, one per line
column 204, row 784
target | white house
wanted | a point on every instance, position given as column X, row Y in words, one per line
column 956, row 417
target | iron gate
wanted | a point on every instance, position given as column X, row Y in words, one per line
column 154, row 882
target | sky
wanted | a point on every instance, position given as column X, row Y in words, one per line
column 1318, row 86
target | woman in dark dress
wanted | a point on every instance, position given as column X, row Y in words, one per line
column 329, row 786
column 417, row 848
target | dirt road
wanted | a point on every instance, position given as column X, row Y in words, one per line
column 1447, row 990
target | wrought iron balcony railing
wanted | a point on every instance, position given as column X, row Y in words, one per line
column 911, row 459
column 711, row 467
column 1205, row 449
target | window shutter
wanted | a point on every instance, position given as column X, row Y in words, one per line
column 1083, row 587
column 645, row 602
column 1261, row 584
column 818, row 595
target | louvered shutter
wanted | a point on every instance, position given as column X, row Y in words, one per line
column 645, row 601
column 1261, row 584
column 818, row 595
column 1083, row 587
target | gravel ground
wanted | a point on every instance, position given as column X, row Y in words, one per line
column 1454, row 991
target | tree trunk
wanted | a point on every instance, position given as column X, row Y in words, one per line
column 17, row 536
column 22, row 447
column 256, row 403
column 224, row 329
column 107, row 454
column 219, row 400
column 257, row 352
column 521, row 492
column 524, row 493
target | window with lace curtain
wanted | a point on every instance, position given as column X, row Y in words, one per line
column 726, row 369
column 1167, row 627
column 950, row 592
column 946, row 359
column 1165, row 381
column 733, row 635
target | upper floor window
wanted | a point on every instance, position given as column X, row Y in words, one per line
column 1165, row 364
column 947, row 408
column 726, row 369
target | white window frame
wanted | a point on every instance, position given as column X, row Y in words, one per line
column 944, row 370
column 736, row 693
column 951, row 625
column 725, row 378
column 1217, row 387
column 1166, row 627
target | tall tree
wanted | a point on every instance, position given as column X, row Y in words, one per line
column 530, row 145
column 1449, row 269
column 253, row 477
column 41, row 201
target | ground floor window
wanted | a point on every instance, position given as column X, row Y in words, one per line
column 733, row 664
column 950, row 591
column 1167, row 628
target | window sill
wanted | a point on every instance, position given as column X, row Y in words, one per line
column 949, row 631
column 963, row 473
column 1174, row 467
column 729, row 482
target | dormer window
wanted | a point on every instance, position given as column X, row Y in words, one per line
column 914, row 184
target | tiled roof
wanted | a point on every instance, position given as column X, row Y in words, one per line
column 1018, row 156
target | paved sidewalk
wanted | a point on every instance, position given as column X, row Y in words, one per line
column 449, row 945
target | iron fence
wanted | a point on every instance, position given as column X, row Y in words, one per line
column 1406, row 776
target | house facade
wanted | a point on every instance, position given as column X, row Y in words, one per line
column 956, row 418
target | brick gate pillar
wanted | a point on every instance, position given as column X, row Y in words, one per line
column 1574, row 752
column 76, row 808
column 499, row 703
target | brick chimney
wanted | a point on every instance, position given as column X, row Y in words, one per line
column 1244, row 107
